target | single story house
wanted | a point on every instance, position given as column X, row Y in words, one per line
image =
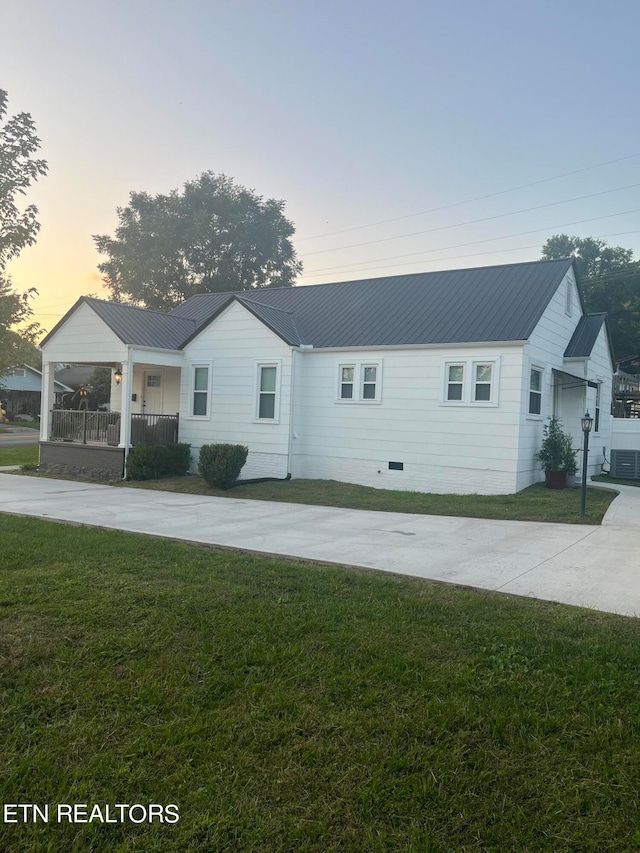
column 20, row 389
column 433, row 382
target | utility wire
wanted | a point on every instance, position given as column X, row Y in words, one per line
column 345, row 267
column 474, row 221
column 468, row 201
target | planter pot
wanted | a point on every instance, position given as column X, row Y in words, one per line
column 556, row 479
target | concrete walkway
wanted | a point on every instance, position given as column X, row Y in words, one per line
column 597, row 567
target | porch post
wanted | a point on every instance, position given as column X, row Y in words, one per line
column 46, row 399
column 125, row 404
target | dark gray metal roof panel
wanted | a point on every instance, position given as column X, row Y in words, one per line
column 500, row 303
column 141, row 327
column 584, row 336
column 281, row 322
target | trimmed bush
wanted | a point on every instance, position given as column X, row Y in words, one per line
column 220, row 464
column 153, row 461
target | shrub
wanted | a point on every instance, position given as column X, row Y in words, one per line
column 556, row 452
column 220, row 464
column 153, row 461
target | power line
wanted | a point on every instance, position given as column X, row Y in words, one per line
column 468, row 201
column 346, row 267
column 474, row 221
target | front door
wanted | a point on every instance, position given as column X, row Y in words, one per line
column 152, row 393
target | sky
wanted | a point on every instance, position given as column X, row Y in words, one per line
column 403, row 137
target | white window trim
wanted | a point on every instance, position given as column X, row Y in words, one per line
column 273, row 362
column 358, row 382
column 530, row 415
column 192, row 382
column 469, row 382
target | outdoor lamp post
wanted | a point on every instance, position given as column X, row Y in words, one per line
column 587, row 423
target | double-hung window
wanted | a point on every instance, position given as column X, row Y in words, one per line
column 455, row 381
column 267, row 384
column 200, row 395
column 369, row 381
column 482, row 382
column 359, row 382
column 347, row 376
column 535, row 391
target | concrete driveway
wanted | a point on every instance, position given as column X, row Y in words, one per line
column 597, row 567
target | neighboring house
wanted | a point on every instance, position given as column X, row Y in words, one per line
column 435, row 382
column 20, row 390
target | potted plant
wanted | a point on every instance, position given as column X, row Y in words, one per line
column 556, row 455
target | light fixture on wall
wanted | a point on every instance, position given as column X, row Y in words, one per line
column 118, row 376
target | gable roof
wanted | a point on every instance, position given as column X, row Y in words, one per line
column 30, row 381
column 484, row 304
column 135, row 326
column 585, row 336
column 500, row 303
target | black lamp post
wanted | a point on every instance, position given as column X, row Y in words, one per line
column 587, row 423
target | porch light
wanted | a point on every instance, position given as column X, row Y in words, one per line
column 118, row 376
column 586, row 423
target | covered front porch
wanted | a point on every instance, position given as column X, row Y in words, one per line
column 143, row 408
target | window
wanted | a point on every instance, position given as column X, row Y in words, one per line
column 535, row 391
column 482, row 388
column 346, row 382
column 596, row 420
column 359, row 382
column 455, row 380
column 267, row 392
column 468, row 382
column 569, row 304
column 200, row 404
column 154, row 380
column 369, row 382
column 17, row 371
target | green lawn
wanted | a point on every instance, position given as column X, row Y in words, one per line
column 291, row 707
column 537, row 503
column 19, row 455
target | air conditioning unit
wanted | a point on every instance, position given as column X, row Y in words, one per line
column 625, row 464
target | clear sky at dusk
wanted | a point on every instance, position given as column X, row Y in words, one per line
column 354, row 113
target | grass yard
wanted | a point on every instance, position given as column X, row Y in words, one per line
column 290, row 707
column 537, row 503
column 19, row 455
column 605, row 478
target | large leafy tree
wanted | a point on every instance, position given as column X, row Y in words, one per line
column 19, row 168
column 610, row 280
column 213, row 236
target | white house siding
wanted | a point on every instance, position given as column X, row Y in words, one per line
column 84, row 339
column 545, row 349
column 444, row 448
column 232, row 346
column 625, row 434
column 599, row 369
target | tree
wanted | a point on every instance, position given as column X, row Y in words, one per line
column 214, row 236
column 18, row 228
column 610, row 280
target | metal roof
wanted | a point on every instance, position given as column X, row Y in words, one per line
column 485, row 304
column 584, row 336
column 502, row 303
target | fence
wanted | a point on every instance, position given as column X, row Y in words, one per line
column 84, row 427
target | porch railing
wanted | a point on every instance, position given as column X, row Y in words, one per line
column 154, row 429
column 83, row 427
